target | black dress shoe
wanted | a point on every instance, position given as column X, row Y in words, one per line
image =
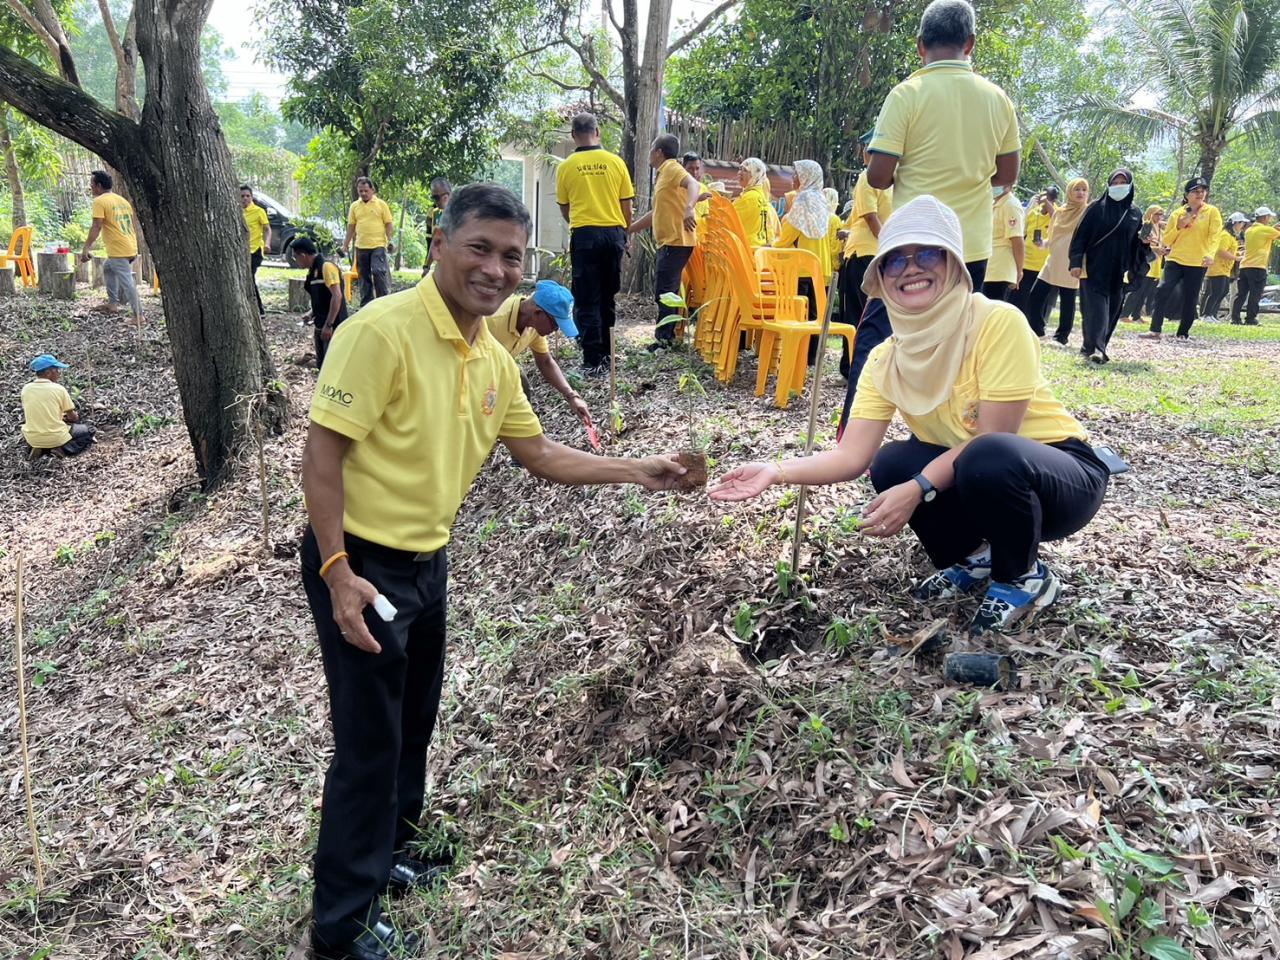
column 408, row 874
column 381, row 942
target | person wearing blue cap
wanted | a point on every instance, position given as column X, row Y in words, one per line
column 523, row 323
column 49, row 419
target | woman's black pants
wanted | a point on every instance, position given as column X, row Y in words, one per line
column 1037, row 311
column 1010, row 492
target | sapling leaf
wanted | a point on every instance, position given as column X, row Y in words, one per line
column 672, row 300
column 1165, row 948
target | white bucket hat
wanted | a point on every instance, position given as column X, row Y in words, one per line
column 926, row 221
column 1264, row 212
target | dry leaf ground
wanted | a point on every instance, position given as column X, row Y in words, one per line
column 658, row 740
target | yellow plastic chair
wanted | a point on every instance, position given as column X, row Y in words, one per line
column 350, row 276
column 19, row 254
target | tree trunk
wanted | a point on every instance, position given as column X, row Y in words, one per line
column 219, row 350
column 11, row 169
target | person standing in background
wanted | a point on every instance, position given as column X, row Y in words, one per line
column 1226, row 259
column 1008, row 247
column 369, row 224
column 595, row 194
column 871, row 208
column 259, row 227
column 1258, row 240
column 758, row 217
column 113, row 219
column 1055, row 276
column 441, row 189
column 1189, row 242
column 324, row 288
column 1035, row 244
column 1141, row 298
column 1105, row 248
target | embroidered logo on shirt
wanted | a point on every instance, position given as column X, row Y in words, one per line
column 970, row 416
column 336, row 394
column 490, row 401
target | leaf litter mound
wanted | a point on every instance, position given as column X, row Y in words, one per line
column 657, row 739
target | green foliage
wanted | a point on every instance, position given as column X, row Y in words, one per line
column 255, row 122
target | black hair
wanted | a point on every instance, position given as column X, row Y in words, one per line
column 244, row 187
column 690, row 157
column 484, row 201
column 1051, row 192
column 304, row 245
column 365, row 182
column 585, row 123
column 442, row 184
column 668, row 145
column 102, row 179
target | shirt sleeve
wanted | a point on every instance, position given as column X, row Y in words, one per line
column 868, row 402
column 386, row 212
column 351, row 215
column 64, row 399
column 361, row 371
column 789, row 234
column 626, row 190
column 1006, row 357
column 1011, row 142
column 332, row 275
column 539, row 344
column 563, row 173
column 99, row 209
column 891, row 126
column 864, row 200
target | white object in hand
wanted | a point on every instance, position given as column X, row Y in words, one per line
column 384, row 608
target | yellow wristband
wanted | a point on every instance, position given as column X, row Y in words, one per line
column 331, row 561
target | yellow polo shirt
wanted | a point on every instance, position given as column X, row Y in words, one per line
column 502, row 327
column 118, row 236
column 1036, row 256
column 1224, row 257
column 758, row 217
column 670, row 198
column 1156, row 269
column 1257, row 245
column 1190, row 246
column 946, row 125
column 594, row 182
column 43, row 404
column 370, row 220
column 255, row 221
column 424, row 410
column 1004, row 365
column 820, row 248
column 1006, row 223
column 861, row 242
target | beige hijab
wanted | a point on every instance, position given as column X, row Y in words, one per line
column 919, row 369
column 1057, row 269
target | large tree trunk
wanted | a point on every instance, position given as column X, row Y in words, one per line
column 11, row 170
column 177, row 165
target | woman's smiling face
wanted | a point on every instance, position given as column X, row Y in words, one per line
column 918, row 285
column 1080, row 193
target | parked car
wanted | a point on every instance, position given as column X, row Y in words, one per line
column 1270, row 302
column 285, row 225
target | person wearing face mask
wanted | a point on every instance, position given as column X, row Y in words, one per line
column 1055, row 276
column 1217, row 281
column 758, row 217
column 1189, row 243
column 1104, row 248
column 1004, row 269
column 995, row 464
column 1142, row 286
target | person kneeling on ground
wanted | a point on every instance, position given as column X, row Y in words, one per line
column 324, row 287
column 994, row 465
column 50, row 421
column 523, row 323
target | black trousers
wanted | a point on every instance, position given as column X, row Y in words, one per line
column 375, row 273
column 1038, row 304
column 1141, row 298
column 666, row 279
column 977, row 273
column 995, row 289
column 322, row 345
column 1010, row 492
column 1100, row 305
column 1249, row 290
column 255, row 261
column 596, row 255
column 1020, row 296
column 382, row 708
column 1215, row 291
column 1179, row 290
column 852, row 300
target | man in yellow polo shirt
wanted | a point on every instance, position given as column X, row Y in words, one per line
column 593, row 188
column 522, row 325
column 1258, row 240
column 369, row 224
column 113, row 219
column 259, row 227
column 947, row 132
column 413, row 396
column 674, row 219
column 1190, row 240
column 1035, row 245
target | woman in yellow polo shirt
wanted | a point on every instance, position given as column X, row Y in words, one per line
column 995, row 464
column 1217, row 281
column 1142, row 289
column 1189, row 243
column 1035, row 244
column 759, row 218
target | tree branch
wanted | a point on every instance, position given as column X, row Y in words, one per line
column 588, row 64
column 110, row 24
column 65, row 109
column 700, row 27
column 608, row 5
column 567, row 87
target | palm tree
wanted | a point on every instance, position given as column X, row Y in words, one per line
column 1215, row 73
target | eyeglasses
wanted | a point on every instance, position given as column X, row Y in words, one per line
column 926, row 258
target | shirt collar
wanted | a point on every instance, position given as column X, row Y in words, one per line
column 442, row 319
column 590, row 146
column 966, row 65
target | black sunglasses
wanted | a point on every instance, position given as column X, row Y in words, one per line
column 926, row 258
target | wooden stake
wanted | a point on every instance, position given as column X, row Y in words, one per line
column 22, row 734
column 613, row 369
column 813, row 420
column 262, row 477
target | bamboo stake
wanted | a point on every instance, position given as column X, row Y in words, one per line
column 813, row 420
column 613, row 369
column 22, row 734
column 262, row 479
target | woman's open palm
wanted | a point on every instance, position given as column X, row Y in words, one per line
column 744, row 482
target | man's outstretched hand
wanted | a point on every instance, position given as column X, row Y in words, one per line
column 660, row 472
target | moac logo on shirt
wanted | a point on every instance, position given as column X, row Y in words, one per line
column 336, row 394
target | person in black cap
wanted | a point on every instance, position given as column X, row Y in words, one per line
column 324, row 286
column 1190, row 242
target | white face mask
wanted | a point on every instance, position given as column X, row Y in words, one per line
column 1119, row 191
column 997, row 192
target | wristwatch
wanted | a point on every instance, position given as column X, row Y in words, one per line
column 930, row 491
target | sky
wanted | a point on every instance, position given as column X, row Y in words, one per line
column 235, row 20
